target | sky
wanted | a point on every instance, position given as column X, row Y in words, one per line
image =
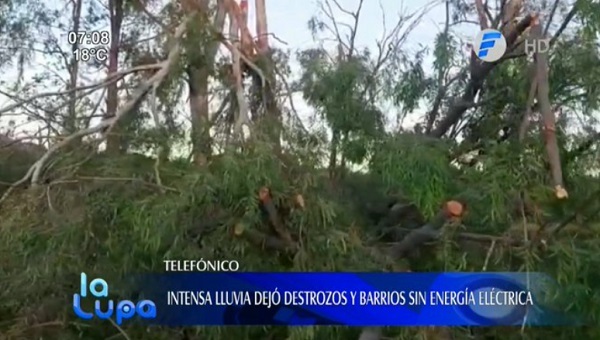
column 288, row 19
column 288, row 22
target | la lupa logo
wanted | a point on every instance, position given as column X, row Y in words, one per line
column 125, row 309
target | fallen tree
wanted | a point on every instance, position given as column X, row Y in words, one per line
column 269, row 205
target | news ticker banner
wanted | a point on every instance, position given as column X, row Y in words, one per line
column 351, row 299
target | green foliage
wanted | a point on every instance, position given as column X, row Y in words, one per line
column 15, row 160
column 18, row 19
column 116, row 220
column 340, row 93
column 413, row 84
column 198, row 41
column 417, row 165
column 575, row 72
column 590, row 13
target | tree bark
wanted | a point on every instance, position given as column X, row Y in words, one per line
column 71, row 120
column 272, row 112
column 543, row 99
column 114, row 140
column 261, row 28
column 198, row 72
column 198, row 88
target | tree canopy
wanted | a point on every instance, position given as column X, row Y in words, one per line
column 170, row 140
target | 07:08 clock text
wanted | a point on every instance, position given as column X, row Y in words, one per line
column 89, row 38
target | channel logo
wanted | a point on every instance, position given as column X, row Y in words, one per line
column 124, row 310
column 489, row 45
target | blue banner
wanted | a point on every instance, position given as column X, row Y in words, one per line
column 352, row 299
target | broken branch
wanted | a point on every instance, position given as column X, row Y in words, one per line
column 543, row 99
column 35, row 170
column 276, row 223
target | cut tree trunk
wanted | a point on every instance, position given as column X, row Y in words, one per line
column 543, row 99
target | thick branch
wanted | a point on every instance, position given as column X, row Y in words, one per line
column 543, row 99
column 442, row 88
column 165, row 66
column 261, row 240
column 419, row 237
column 483, row 23
column 480, row 72
column 564, row 24
column 276, row 223
column 111, row 78
column 529, row 104
column 242, row 115
column 261, row 27
column 236, row 14
column 413, row 240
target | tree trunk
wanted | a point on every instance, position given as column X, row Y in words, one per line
column 272, row 112
column 114, row 140
column 198, row 87
column 71, row 120
column 262, row 31
column 198, row 72
column 333, row 154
